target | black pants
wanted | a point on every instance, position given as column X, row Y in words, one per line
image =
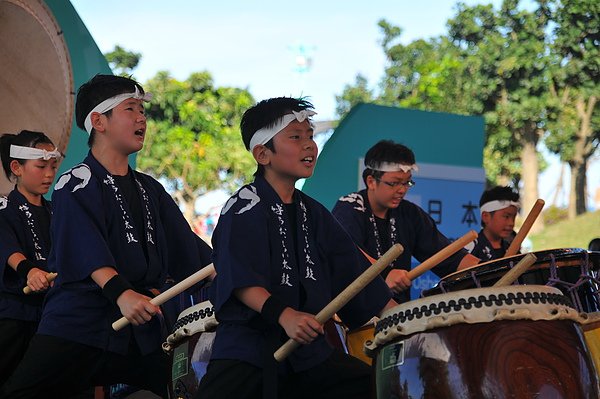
column 340, row 376
column 14, row 339
column 54, row 367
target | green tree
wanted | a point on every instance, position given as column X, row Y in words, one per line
column 509, row 48
column 122, row 61
column 425, row 74
column 353, row 95
column 575, row 86
column 440, row 75
column 194, row 143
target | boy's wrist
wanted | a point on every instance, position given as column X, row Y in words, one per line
column 272, row 309
column 24, row 267
column 115, row 287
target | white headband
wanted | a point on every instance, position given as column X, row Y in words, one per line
column 262, row 136
column 18, row 152
column 497, row 205
column 393, row 167
column 112, row 102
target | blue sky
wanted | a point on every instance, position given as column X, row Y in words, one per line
column 253, row 44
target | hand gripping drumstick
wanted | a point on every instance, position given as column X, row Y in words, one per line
column 50, row 277
column 171, row 292
column 442, row 255
column 346, row 295
column 516, row 271
column 529, row 220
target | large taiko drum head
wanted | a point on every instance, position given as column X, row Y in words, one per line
column 36, row 81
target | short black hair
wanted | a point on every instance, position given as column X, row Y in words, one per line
column 498, row 193
column 98, row 89
column 594, row 245
column 386, row 151
column 265, row 114
column 26, row 138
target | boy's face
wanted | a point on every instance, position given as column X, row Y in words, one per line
column 36, row 175
column 295, row 153
column 388, row 190
column 126, row 126
column 500, row 224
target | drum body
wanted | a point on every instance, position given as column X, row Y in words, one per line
column 591, row 330
column 506, row 342
column 356, row 340
column 190, row 347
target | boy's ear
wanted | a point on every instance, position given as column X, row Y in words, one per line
column 485, row 217
column 15, row 167
column 98, row 121
column 261, row 154
column 371, row 182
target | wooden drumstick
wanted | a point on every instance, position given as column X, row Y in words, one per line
column 50, row 277
column 516, row 271
column 442, row 255
column 529, row 220
column 171, row 292
column 345, row 296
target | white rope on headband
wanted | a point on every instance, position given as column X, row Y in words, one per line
column 262, row 136
column 496, row 205
column 19, row 152
column 392, row 167
column 112, row 102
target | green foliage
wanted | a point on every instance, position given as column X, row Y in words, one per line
column 554, row 215
column 574, row 109
column 354, row 95
column 122, row 61
column 498, row 63
column 507, row 53
column 194, row 143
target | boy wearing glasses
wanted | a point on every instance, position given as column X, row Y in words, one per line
column 379, row 217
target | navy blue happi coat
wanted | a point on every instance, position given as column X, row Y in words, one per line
column 254, row 246
column 93, row 227
column 23, row 230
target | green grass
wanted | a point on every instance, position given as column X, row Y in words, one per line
column 575, row 233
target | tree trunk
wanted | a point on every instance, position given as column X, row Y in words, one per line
column 188, row 205
column 577, row 192
column 584, row 149
column 529, row 162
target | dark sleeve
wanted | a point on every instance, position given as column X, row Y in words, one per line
column 79, row 233
column 240, row 252
column 9, row 244
column 347, row 263
column 430, row 240
column 353, row 222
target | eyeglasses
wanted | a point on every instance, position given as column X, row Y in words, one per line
column 396, row 184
